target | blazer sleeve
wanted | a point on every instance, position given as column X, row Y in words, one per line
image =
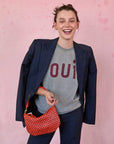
column 90, row 91
column 20, row 103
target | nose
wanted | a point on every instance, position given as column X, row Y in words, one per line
column 67, row 24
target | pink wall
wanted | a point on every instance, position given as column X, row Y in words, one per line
column 21, row 21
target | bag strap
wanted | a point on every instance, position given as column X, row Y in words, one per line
column 42, row 87
column 27, row 105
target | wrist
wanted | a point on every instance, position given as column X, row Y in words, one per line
column 43, row 91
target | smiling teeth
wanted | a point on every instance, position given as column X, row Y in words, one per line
column 67, row 30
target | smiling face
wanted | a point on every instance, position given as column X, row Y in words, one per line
column 66, row 24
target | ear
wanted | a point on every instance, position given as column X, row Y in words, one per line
column 55, row 25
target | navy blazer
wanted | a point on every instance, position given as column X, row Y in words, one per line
column 35, row 66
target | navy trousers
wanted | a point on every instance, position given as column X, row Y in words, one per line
column 70, row 130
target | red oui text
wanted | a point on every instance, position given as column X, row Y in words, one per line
column 54, row 69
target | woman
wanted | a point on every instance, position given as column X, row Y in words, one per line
column 68, row 72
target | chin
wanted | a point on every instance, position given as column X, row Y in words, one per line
column 68, row 38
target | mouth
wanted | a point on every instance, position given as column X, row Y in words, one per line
column 67, row 31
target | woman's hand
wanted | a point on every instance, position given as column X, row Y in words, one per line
column 49, row 96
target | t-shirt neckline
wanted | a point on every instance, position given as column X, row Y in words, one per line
column 64, row 48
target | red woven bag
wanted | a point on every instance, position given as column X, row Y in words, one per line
column 44, row 124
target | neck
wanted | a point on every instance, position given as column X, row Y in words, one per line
column 65, row 43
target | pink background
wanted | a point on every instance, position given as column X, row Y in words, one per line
column 22, row 21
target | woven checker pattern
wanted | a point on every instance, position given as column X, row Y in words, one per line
column 44, row 124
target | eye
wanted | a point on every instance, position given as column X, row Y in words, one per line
column 61, row 21
column 72, row 21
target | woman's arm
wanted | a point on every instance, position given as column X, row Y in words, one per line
column 49, row 95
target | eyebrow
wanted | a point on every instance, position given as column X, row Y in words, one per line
column 64, row 18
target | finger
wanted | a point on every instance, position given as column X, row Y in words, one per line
column 52, row 96
column 50, row 103
column 56, row 101
column 51, row 99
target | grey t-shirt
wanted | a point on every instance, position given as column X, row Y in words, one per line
column 61, row 79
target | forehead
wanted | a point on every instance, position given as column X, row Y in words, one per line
column 66, row 14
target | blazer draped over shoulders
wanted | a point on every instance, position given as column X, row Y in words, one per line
column 35, row 66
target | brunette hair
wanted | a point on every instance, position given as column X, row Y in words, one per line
column 64, row 7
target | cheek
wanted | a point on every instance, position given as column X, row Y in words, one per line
column 75, row 25
column 60, row 28
column 61, row 25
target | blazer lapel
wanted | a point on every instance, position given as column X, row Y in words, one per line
column 80, row 64
column 46, row 56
